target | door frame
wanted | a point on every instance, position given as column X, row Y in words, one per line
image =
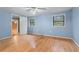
column 12, row 25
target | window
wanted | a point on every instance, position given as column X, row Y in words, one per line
column 58, row 21
column 32, row 22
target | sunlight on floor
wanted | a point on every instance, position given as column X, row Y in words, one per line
column 58, row 49
column 15, row 40
column 24, row 40
column 31, row 41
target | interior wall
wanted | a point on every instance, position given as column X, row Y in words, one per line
column 23, row 25
column 44, row 25
column 5, row 24
column 75, row 23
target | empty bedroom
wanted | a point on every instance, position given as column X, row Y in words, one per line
column 39, row 29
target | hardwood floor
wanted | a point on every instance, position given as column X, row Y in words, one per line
column 37, row 43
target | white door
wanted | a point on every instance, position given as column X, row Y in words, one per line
column 23, row 25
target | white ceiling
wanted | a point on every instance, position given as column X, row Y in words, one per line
column 22, row 11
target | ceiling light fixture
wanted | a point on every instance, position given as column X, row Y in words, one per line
column 35, row 10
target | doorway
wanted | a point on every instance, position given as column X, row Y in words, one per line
column 15, row 25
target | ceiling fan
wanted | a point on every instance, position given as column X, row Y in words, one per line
column 35, row 10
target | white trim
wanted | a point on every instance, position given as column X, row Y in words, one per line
column 5, row 37
column 64, row 20
column 11, row 25
column 75, row 42
column 50, row 36
column 60, row 37
column 53, row 36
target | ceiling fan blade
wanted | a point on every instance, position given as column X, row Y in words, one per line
column 43, row 8
column 27, row 8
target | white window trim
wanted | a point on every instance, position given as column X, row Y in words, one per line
column 64, row 20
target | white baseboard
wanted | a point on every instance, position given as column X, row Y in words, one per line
column 53, row 36
column 75, row 42
column 59, row 37
column 5, row 37
column 48, row 35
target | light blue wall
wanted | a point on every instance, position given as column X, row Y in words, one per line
column 75, row 23
column 43, row 25
column 5, row 24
